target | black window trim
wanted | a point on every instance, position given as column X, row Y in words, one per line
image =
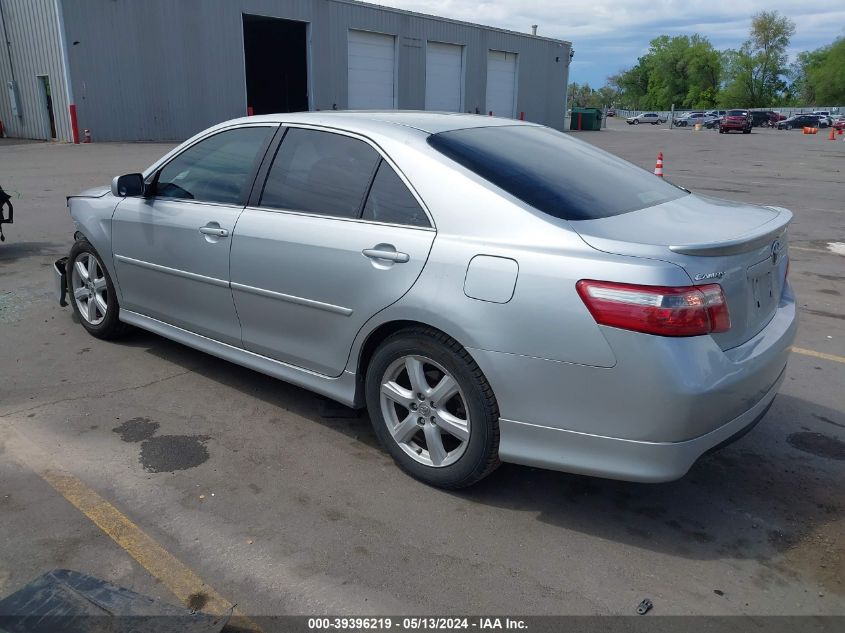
column 270, row 156
column 151, row 174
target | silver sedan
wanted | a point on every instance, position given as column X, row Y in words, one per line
column 489, row 290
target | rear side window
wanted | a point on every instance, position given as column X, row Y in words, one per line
column 320, row 172
column 391, row 201
column 215, row 169
column 554, row 173
column 738, row 113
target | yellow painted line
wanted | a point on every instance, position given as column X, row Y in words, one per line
column 815, row 354
column 186, row 585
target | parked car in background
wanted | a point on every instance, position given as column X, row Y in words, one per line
column 611, row 112
column 691, row 118
column 761, row 118
column 645, row 117
column 356, row 254
column 839, row 122
column 736, row 120
column 716, row 113
column 801, row 121
column 825, row 116
column 824, row 113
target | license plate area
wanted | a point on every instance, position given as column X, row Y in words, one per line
column 762, row 279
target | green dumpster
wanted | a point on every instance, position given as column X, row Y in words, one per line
column 585, row 119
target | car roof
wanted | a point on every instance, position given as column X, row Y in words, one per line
column 383, row 120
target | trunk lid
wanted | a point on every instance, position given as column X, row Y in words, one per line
column 740, row 246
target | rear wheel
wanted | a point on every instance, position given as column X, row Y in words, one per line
column 433, row 409
column 92, row 294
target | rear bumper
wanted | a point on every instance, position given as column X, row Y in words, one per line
column 648, row 418
column 614, row 458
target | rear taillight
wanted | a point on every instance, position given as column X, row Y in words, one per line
column 661, row 310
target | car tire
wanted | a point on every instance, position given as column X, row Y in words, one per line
column 636, row 121
column 721, row 131
column 91, row 292
column 748, row 131
column 460, row 432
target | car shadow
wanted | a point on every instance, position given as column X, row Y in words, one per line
column 13, row 251
column 754, row 499
column 769, row 493
column 301, row 402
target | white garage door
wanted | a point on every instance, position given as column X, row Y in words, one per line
column 501, row 83
column 372, row 67
column 443, row 72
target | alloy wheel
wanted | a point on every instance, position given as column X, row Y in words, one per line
column 425, row 411
column 89, row 288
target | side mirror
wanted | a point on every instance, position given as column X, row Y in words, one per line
column 127, row 186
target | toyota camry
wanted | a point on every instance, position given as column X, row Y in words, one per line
column 490, row 290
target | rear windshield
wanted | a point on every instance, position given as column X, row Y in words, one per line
column 553, row 172
column 739, row 113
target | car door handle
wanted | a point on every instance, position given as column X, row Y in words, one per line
column 393, row 256
column 216, row 231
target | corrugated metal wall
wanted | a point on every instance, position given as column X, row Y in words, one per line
column 160, row 69
column 35, row 47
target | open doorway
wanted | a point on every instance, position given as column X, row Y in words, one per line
column 47, row 103
column 276, row 64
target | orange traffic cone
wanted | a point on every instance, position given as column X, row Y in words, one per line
column 658, row 166
column 832, row 135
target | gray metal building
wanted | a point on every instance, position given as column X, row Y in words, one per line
column 165, row 69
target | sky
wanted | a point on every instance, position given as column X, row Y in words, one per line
column 609, row 35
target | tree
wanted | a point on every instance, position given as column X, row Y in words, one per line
column 818, row 77
column 582, row 96
column 755, row 72
column 684, row 70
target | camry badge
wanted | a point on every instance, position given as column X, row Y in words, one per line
column 716, row 275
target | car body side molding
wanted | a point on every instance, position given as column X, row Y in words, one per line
column 340, row 389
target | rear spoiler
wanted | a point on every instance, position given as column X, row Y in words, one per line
column 763, row 235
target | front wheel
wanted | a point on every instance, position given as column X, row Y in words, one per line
column 636, row 122
column 91, row 291
column 433, row 409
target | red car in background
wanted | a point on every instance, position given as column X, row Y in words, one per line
column 739, row 120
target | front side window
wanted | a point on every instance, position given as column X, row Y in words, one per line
column 216, row 169
column 391, row 201
column 320, row 172
column 555, row 173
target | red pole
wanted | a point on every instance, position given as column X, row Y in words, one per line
column 74, row 125
column 490, row 113
column 522, row 116
column 249, row 111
